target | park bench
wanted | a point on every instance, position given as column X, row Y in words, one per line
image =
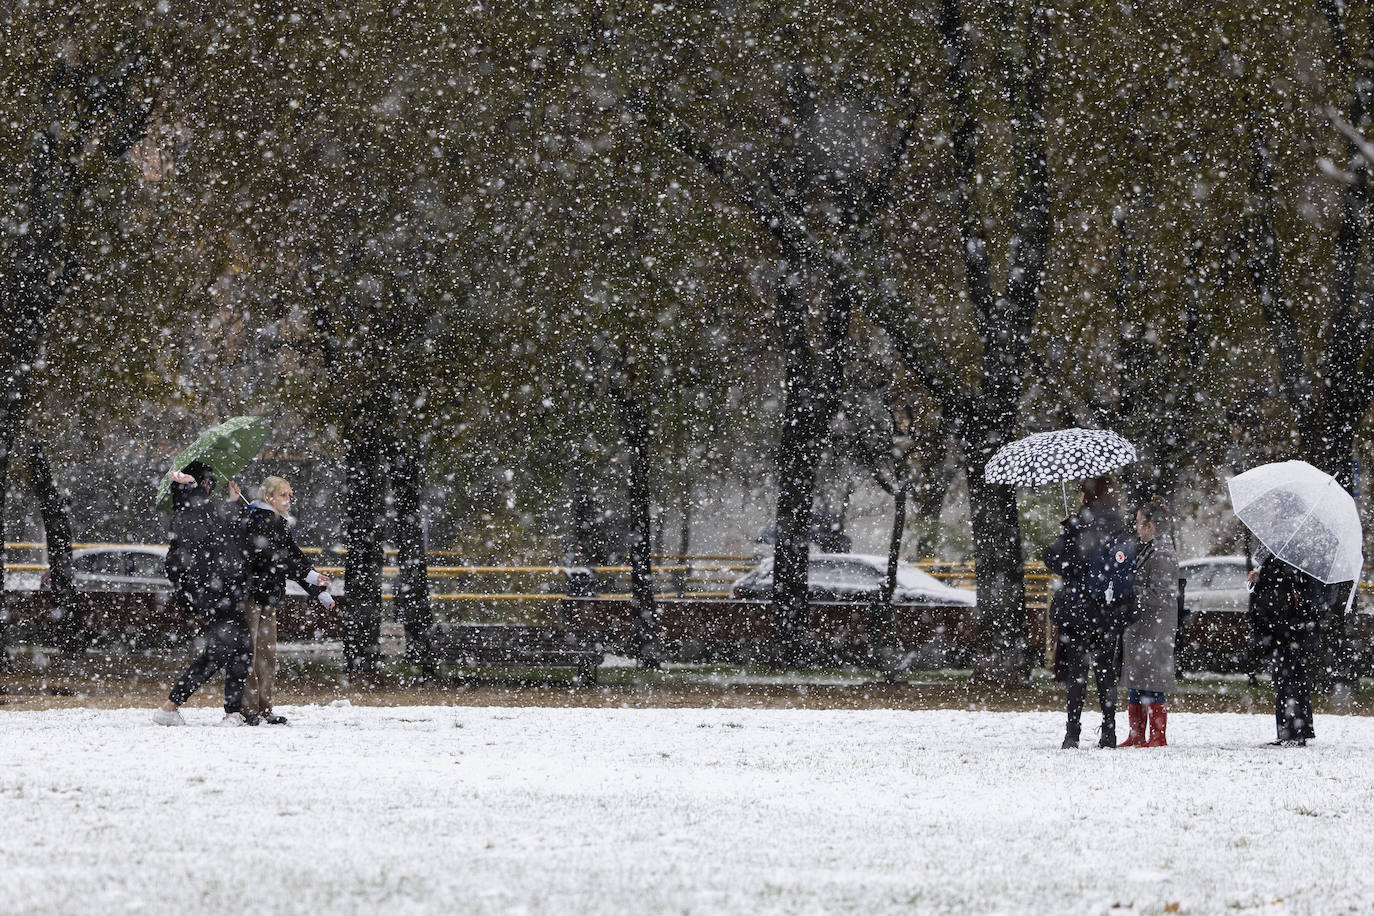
column 141, row 620
column 508, row 646
column 705, row 629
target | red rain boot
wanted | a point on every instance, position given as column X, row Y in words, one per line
column 1159, row 719
column 1135, row 715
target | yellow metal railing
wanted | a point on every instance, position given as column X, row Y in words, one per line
column 703, row 570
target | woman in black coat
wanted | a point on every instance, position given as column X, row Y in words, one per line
column 1285, row 622
column 1089, row 629
column 273, row 557
column 205, row 564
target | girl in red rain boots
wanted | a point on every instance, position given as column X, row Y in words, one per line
column 1147, row 646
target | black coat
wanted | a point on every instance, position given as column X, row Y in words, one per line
column 1078, row 557
column 205, row 560
column 1286, row 605
column 273, row 557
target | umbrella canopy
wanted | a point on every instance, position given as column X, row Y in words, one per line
column 1303, row 516
column 1061, row 455
column 227, row 448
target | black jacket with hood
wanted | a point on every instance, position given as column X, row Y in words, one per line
column 273, row 556
column 205, row 560
column 1079, row 557
column 1286, row 605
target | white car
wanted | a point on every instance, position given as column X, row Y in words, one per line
column 137, row 568
column 856, row 577
column 23, row 580
column 1216, row 583
column 122, row 568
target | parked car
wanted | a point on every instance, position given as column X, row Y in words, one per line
column 137, row 568
column 1214, row 630
column 118, row 568
column 23, row 580
column 1215, row 583
column 856, row 577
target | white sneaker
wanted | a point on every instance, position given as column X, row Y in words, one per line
column 233, row 720
column 163, row 717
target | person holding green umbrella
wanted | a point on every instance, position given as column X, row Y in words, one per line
column 205, row 563
column 206, row 558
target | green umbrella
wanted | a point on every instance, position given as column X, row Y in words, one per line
column 227, row 448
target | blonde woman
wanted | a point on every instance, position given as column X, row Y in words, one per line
column 273, row 557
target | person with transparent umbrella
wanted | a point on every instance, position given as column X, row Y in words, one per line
column 1311, row 527
column 1286, row 629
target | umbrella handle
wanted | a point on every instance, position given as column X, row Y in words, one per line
column 245, row 499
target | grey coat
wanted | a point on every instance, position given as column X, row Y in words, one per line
column 1147, row 647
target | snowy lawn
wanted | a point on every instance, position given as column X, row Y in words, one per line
column 618, row 811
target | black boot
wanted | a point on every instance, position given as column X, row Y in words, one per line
column 1070, row 736
column 1108, row 738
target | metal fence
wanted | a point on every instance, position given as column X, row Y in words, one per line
column 698, row 575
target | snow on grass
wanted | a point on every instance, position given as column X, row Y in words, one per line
column 565, row 811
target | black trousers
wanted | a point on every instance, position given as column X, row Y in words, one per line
column 228, row 645
column 1079, row 651
column 1293, row 684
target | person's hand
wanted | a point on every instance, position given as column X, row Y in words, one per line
column 1253, row 576
column 324, row 581
column 180, row 477
column 315, row 577
column 235, row 493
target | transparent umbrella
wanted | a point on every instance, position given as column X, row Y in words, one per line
column 1303, row 516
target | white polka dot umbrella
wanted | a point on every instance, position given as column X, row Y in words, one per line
column 1059, row 456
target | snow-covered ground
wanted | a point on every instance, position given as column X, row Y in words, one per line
column 558, row 811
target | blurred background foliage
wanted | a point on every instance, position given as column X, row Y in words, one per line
column 452, row 218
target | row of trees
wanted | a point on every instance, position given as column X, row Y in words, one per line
column 566, row 246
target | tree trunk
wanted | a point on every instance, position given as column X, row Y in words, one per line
column 1343, row 389
column 881, row 622
column 797, row 461
column 9, row 401
column 635, row 422
column 1005, row 323
column 589, row 545
column 412, row 581
column 1329, row 441
column 363, row 562
column 928, row 494
column 57, row 530
column 1002, row 657
column 22, row 328
column 799, row 456
column 684, row 541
